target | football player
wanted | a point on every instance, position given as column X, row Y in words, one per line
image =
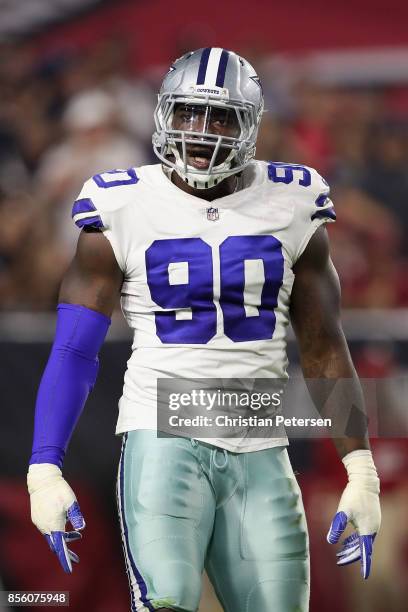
column 173, row 240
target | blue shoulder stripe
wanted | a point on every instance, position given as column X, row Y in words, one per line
column 321, row 200
column 82, row 205
column 326, row 213
column 95, row 221
column 85, row 205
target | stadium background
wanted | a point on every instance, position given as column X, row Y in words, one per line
column 77, row 90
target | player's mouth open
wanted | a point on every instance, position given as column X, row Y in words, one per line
column 199, row 157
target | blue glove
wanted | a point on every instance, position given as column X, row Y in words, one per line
column 360, row 506
column 58, row 540
column 53, row 503
column 355, row 547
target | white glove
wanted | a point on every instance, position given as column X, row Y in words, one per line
column 359, row 505
column 52, row 503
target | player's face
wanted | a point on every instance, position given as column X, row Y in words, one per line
column 205, row 119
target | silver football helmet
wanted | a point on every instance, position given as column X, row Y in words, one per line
column 207, row 117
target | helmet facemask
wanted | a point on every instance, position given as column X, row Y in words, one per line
column 221, row 133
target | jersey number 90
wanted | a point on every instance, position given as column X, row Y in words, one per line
column 197, row 294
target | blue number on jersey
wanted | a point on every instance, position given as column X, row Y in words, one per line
column 287, row 176
column 115, row 178
column 234, row 251
column 197, row 294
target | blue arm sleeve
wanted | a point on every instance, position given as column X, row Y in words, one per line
column 67, row 380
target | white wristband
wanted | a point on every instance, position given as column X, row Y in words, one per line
column 40, row 474
column 360, row 468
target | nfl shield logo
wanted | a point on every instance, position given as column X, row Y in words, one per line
column 212, row 214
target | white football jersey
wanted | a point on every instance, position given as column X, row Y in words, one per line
column 206, row 284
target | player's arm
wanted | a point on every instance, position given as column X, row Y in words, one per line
column 88, row 295
column 315, row 315
column 94, row 278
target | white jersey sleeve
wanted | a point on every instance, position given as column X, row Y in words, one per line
column 100, row 206
column 312, row 209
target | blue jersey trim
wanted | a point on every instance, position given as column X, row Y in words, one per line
column 321, row 200
column 95, row 221
column 327, row 213
column 83, row 205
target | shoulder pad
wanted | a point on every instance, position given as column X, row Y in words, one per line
column 322, row 205
column 311, row 188
column 102, row 194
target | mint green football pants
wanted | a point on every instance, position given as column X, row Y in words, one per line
column 185, row 505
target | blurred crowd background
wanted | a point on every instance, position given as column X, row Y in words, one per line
column 69, row 114
column 74, row 103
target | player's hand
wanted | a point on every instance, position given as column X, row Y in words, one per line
column 53, row 502
column 360, row 506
